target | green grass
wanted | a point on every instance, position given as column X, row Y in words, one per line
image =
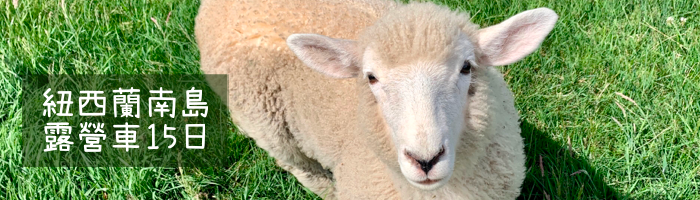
column 610, row 104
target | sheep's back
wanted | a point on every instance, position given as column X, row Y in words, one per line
column 267, row 23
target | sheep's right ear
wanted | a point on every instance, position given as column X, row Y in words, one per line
column 336, row 58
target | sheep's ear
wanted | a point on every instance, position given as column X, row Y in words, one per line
column 515, row 38
column 336, row 58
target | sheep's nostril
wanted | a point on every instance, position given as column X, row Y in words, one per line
column 427, row 165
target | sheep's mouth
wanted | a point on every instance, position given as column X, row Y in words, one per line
column 429, row 182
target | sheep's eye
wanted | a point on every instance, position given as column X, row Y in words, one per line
column 466, row 68
column 372, row 79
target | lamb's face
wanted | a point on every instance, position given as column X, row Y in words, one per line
column 423, row 103
column 417, row 61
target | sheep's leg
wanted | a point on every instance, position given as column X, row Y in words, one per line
column 308, row 171
column 280, row 144
column 319, row 182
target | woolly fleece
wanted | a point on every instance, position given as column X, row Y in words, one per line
column 329, row 132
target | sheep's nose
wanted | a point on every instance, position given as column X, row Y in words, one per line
column 426, row 165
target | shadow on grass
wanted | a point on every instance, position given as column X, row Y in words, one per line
column 563, row 174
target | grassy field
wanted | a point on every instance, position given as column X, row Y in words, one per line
column 610, row 104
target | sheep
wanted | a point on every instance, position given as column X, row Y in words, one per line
column 374, row 99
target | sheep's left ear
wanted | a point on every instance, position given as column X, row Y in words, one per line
column 337, row 58
column 515, row 38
